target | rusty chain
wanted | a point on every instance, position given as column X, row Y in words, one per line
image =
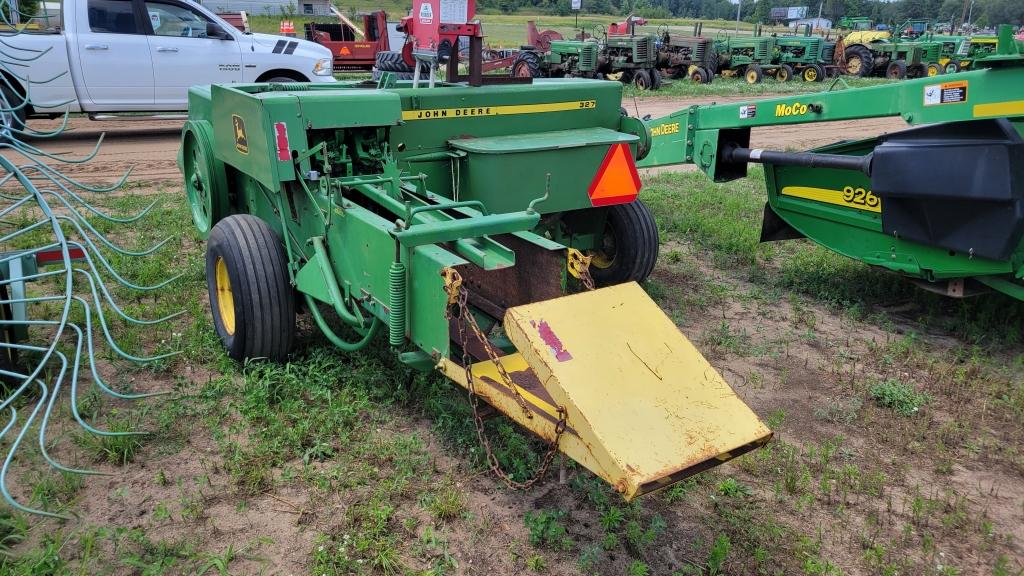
column 579, row 267
column 458, row 309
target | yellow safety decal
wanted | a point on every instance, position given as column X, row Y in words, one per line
column 443, row 113
column 849, row 196
column 999, row 109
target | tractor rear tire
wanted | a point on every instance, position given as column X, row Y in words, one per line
column 897, row 70
column 753, row 74
column 629, row 247
column 859, row 61
column 709, row 74
column 655, row 79
column 251, row 297
column 527, row 65
column 391, row 61
column 642, row 80
column 784, row 73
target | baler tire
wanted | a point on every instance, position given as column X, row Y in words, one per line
column 246, row 261
column 655, row 79
column 634, row 235
column 527, row 65
column 865, row 58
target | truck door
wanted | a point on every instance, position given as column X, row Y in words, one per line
column 184, row 54
column 116, row 70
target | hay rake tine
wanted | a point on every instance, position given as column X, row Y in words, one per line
column 102, row 238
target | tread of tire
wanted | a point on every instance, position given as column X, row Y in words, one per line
column 268, row 302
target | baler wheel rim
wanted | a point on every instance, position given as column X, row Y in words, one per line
column 225, row 297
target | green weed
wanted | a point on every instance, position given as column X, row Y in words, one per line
column 547, row 529
column 900, row 397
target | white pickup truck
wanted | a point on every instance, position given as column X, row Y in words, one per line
column 109, row 56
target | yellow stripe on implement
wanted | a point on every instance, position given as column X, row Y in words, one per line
column 999, row 109
column 448, row 113
column 849, row 196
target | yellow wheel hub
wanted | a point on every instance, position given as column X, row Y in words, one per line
column 810, row 75
column 933, row 71
column 225, row 298
column 853, row 65
column 751, row 77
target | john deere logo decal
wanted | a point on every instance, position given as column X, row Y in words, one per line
column 241, row 142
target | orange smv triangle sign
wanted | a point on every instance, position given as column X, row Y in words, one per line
column 616, row 181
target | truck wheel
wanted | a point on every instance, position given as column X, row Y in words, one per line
column 629, row 245
column 859, row 61
column 642, row 80
column 897, row 70
column 527, row 65
column 13, row 110
column 784, row 73
column 655, row 79
column 753, row 74
column 813, row 73
column 251, row 297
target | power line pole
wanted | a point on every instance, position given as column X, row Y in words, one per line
column 738, row 4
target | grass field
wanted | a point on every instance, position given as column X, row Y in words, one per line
column 899, row 421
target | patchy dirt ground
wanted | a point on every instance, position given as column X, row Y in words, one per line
column 846, row 487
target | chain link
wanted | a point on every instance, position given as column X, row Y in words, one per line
column 458, row 309
column 579, row 267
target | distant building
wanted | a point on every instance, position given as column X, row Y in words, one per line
column 814, row 23
column 271, row 7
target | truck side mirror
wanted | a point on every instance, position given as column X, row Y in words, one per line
column 215, row 31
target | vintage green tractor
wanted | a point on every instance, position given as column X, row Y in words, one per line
column 692, row 56
column 804, row 56
column 625, row 56
column 748, row 56
column 874, row 52
column 491, row 228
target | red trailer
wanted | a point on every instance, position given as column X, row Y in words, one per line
column 354, row 48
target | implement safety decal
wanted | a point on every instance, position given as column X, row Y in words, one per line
column 447, row 113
